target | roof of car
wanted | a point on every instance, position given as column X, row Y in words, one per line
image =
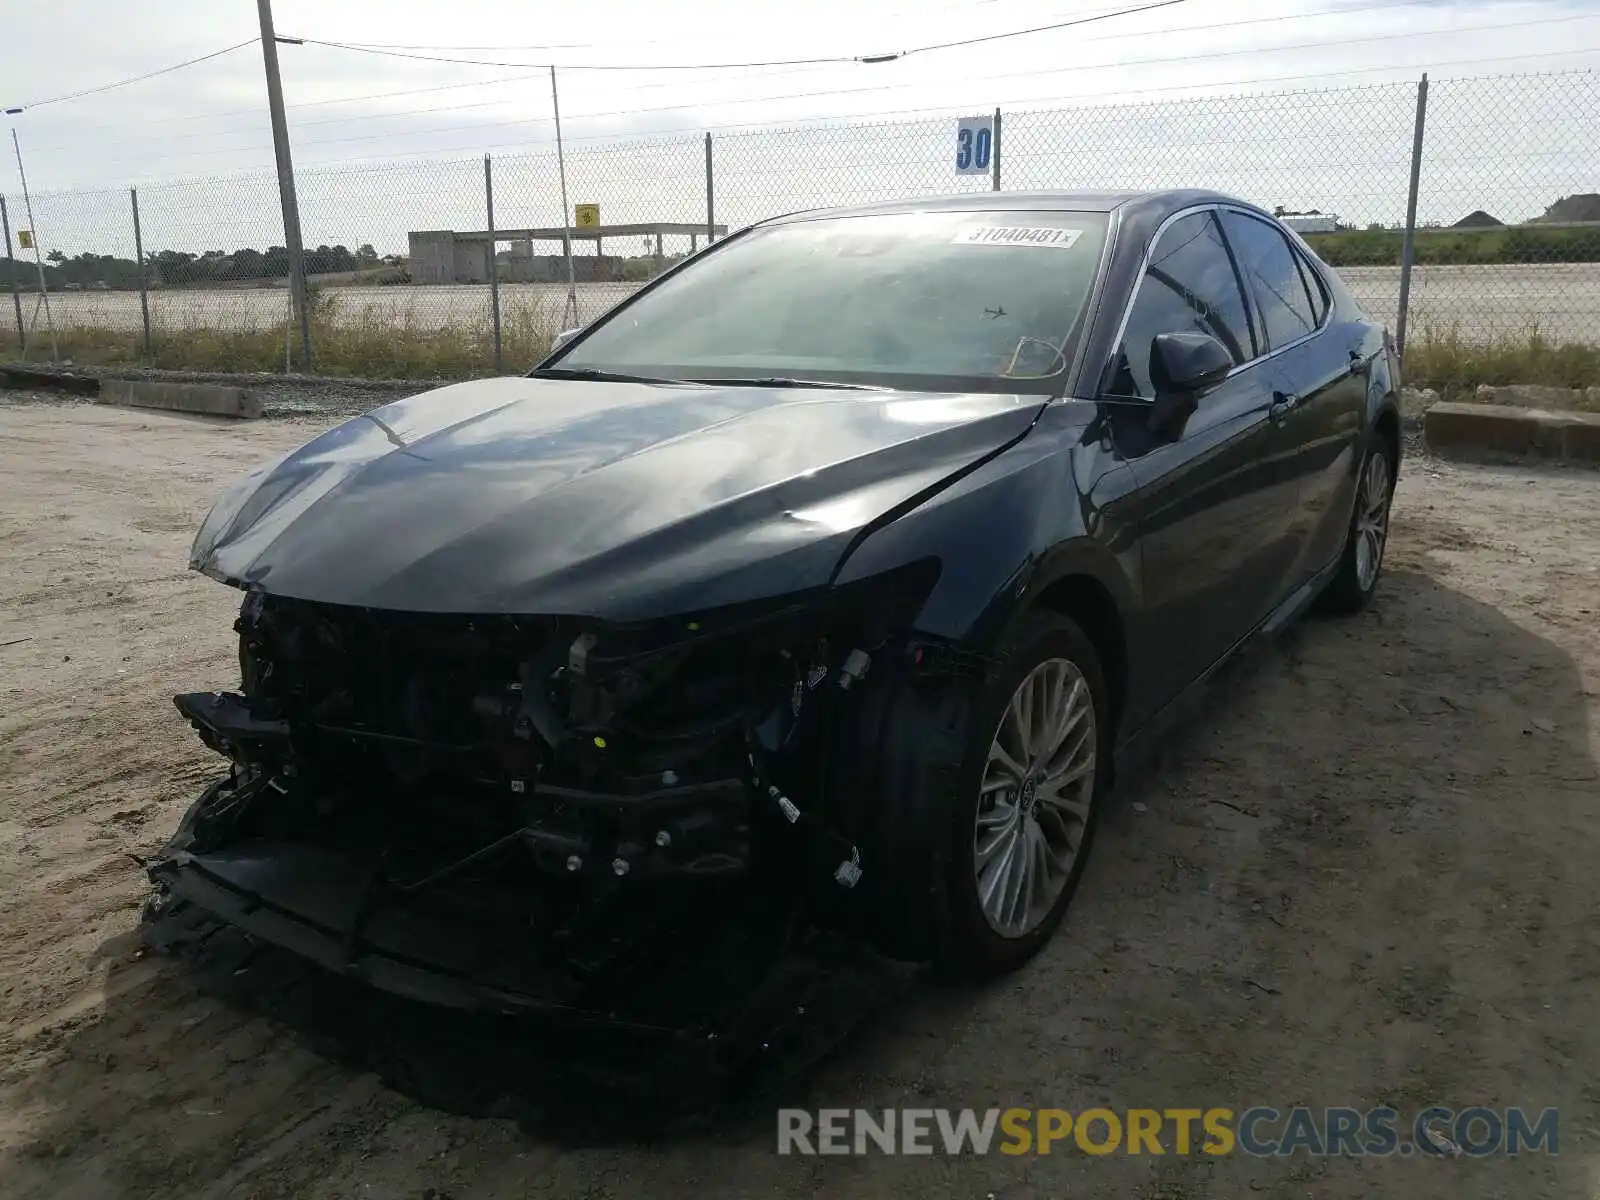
column 1168, row 199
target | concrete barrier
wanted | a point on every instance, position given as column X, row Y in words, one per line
column 1533, row 395
column 1503, row 430
column 48, row 379
column 209, row 399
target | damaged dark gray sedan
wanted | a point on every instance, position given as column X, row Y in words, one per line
column 843, row 564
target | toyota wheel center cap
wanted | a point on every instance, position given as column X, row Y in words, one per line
column 1030, row 794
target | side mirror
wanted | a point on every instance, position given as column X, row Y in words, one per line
column 1188, row 362
column 562, row 338
column 1183, row 365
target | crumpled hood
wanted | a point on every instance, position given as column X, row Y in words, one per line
column 614, row 500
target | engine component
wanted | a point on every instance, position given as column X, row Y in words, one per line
column 854, row 668
column 848, row 873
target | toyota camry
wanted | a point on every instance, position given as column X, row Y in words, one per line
column 848, row 562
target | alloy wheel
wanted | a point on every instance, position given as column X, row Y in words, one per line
column 1034, row 797
column 1372, row 519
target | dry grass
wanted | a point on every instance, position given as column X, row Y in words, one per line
column 366, row 344
column 1442, row 359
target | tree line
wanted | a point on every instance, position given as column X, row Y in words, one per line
column 1503, row 244
column 180, row 268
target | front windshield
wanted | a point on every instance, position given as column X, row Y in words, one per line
column 940, row 301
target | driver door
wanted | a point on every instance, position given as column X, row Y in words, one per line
column 1216, row 506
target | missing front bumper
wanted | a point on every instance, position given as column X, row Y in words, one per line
column 646, row 965
column 319, row 905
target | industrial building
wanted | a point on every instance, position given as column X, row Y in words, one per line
column 1310, row 222
column 453, row 256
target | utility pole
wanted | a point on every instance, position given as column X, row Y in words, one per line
column 38, row 260
column 569, row 315
column 291, row 207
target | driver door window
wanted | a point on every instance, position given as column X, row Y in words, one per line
column 1190, row 286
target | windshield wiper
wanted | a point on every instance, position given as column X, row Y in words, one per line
column 780, row 381
column 590, row 374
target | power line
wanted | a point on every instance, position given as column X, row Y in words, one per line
column 508, row 79
column 444, row 87
column 704, row 103
column 256, row 112
column 106, row 87
column 995, row 37
column 438, row 87
column 669, row 41
column 474, row 62
column 770, row 126
column 409, row 112
column 610, row 90
column 790, row 62
column 888, row 87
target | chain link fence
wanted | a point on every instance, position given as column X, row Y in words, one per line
column 460, row 267
column 1342, row 157
column 1508, row 236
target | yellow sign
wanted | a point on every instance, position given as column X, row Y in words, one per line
column 587, row 215
column 25, row 238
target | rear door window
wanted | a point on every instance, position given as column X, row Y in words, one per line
column 1273, row 277
column 1315, row 286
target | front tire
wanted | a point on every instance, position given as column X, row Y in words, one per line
column 1352, row 588
column 1035, row 763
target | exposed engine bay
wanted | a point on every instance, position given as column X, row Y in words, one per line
column 508, row 812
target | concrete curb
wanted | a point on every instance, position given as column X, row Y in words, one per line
column 272, row 379
column 22, row 378
column 95, row 374
column 207, row 399
column 1497, row 429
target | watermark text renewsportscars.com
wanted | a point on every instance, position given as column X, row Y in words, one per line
column 1259, row 1131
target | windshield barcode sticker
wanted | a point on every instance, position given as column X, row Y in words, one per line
column 1017, row 235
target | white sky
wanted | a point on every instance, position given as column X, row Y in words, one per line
column 211, row 120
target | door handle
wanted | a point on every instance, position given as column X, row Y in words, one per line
column 1283, row 404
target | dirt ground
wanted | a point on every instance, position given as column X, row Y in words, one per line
column 1370, row 873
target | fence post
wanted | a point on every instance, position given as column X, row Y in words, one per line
column 144, row 285
column 16, row 294
column 711, row 208
column 994, row 149
column 494, row 267
column 1408, row 245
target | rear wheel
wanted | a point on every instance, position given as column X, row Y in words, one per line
column 1362, row 562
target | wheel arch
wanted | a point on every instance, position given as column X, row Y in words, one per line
column 1387, row 425
column 1084, row 581
column 1383, row 404
column 1084, row 599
